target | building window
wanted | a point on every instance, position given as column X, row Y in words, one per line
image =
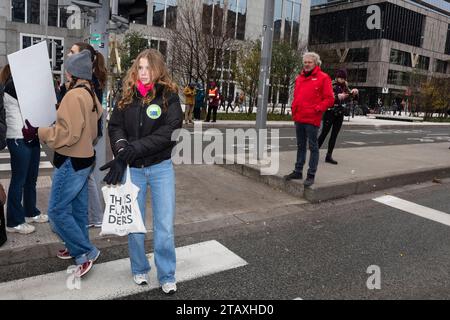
column 441, row 66
column 241, row 19
column 357, row 75
column 401, row 58
column 160, row 45
column 53, row 13
column 135, row 11
column 423, row 63
column 55, row 49
column 212, row 16
column 447, row 42
column 278, row 20
column 27, row 11
column 357, row 55
column 236, row 19
column 398, row 78
column 165, row 13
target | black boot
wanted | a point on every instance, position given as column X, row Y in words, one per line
column 309, row 180
column 329, row 159
column 294, row 176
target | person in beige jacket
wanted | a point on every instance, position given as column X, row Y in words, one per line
column 72, row 138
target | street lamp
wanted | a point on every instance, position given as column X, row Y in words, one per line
column 264, row 76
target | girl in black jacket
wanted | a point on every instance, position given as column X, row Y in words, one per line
column 140, row 132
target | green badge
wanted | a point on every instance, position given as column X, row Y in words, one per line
column 154, row 111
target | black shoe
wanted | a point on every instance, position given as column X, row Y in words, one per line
column 329, row 159
column 309, row 181
column 294, row 176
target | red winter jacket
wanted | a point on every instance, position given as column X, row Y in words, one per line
column 313, row 95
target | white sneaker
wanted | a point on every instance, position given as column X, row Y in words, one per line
column 42, row 218
column 140, row 279
column 23, row 228
column 169, row 287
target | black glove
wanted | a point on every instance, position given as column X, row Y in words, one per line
column 116, row 168
column 127, row 154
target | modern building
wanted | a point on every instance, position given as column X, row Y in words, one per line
column 25, row 22
column 386, row 45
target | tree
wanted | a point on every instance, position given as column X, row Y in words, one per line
column 286, row 64
column 435, row 96
column 195, row 47
column 134, row 42
column 246, row 70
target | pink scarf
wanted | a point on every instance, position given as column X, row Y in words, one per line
column 144, row 88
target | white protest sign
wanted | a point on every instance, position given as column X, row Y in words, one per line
column 33, row 81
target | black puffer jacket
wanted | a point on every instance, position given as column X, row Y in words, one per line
column 147, row 127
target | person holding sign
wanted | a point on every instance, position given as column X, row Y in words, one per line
column 99, row 77
column 72, row 138
column 140, row 131
column 25, row 157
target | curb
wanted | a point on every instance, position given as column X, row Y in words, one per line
column 319, row 193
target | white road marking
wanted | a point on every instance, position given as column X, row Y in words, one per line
column 113, row 279
column 356, row 143
column 416, row 209
column 6, row 155
column 42, row 165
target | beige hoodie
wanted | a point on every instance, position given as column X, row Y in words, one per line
column 76, row 125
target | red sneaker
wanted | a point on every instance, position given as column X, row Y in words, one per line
column 64, row 254
column 84, row 268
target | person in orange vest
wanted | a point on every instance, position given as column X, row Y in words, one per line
column 213, row 101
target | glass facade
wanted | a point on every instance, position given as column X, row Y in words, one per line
column 287, row 12
column 164, row 14
column 397, row 24
column 215, row 12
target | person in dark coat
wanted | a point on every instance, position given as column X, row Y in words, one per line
column 334, row 116
column 140, row 132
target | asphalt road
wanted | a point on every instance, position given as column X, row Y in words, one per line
column 320, row 252
column 348, row 138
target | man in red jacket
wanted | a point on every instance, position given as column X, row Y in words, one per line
column 313, row 95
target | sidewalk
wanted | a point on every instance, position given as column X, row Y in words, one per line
column 208, row 197
column 360, row 170
column 356, row 121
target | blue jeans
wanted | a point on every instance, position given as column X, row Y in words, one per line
column 94, row 207
column 308, row 132
column 161, row 179
column 68, row 210
column 25, row 159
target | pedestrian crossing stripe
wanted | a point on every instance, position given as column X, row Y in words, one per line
column 42, row 165
column 8, row 156
column 113, row 279
column 416, row 209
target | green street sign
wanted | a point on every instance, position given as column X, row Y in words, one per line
column 96, row 38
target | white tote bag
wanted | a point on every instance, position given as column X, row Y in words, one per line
column 122, row 215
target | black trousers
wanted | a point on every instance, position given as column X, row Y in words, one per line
column 214, row 111
column 333, row 122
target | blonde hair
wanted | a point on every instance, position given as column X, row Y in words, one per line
column 315, row 57
column 160, row 76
